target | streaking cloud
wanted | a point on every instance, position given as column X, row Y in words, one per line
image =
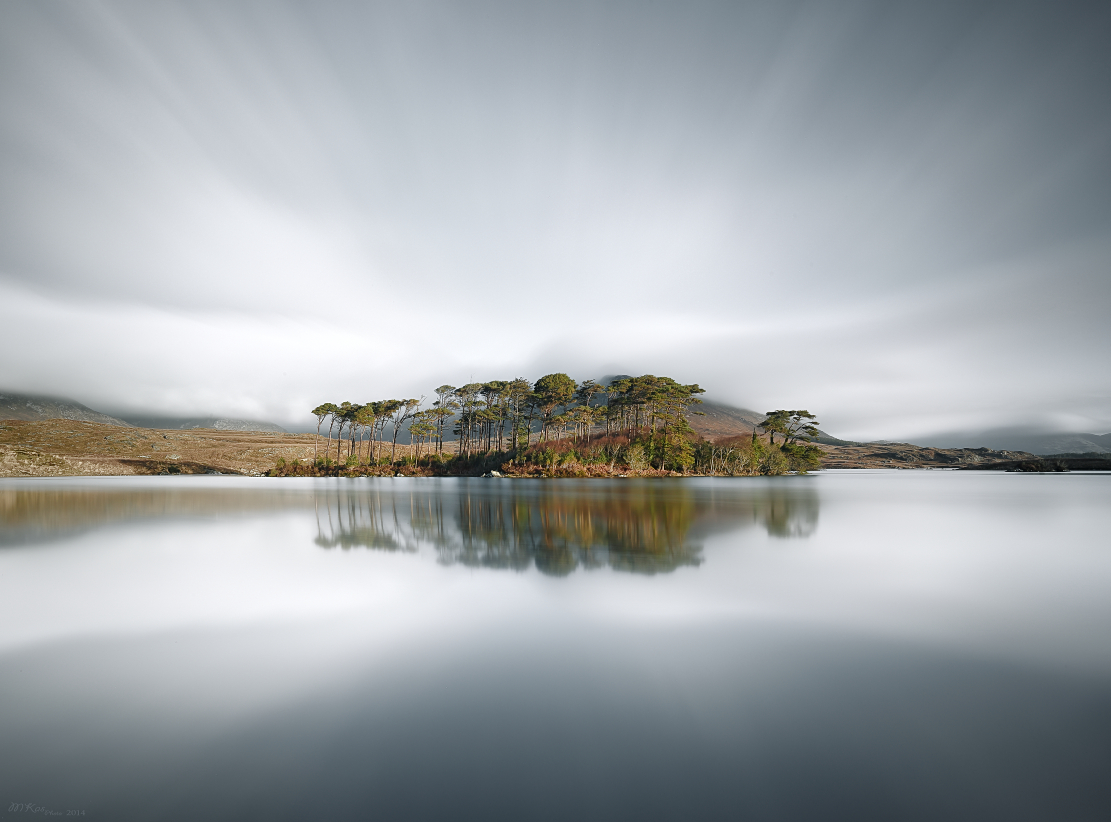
column 898, row 216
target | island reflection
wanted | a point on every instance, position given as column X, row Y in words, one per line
column 647, row 528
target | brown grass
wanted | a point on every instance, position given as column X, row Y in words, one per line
column 55, row 448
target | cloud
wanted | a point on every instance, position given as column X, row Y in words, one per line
column 898, row 217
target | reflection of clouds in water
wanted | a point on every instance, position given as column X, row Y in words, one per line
column 361, row 521
column 784, row 508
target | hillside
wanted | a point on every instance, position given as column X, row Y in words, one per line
column 1061, row 443
column 217, row 423
column 718, row 420
column 1033, row 441
column 905, row 455
column 58, row 447
column 29, row 407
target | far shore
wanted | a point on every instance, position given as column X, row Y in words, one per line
column 59, row 448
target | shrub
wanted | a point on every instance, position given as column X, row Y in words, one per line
column 773, row 461
column 635, row 458
column 802, row 457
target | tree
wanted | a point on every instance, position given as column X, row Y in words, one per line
column 495, row 393
column 585, row 395
column 384, row 410
column 320, row 412
column 552, row 391
column 422, row 428
column 445, row 409
column 517, row 394
column 798, row 429
column 800, row 425
column 775, row 422
column 366, row 417
column 344, row 415
column 469, row 405
column 405, row 409
column 649, row 413
column 670, row 402
column 333, row 417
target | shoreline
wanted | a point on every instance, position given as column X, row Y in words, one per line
column 62, row 447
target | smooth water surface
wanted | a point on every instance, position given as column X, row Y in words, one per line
column 855, row 645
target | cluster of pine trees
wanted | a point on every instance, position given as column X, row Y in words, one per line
column 633, row 424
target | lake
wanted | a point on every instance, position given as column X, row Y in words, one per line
column 847, row 645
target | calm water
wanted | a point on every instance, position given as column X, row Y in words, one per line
column 858, row 645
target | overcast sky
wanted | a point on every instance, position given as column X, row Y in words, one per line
column 895, row 215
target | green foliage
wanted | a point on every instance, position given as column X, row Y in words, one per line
column 802, row 458
column 740, row 456
column 554, row 389
column 634, row 457
column 771, row 460
column 775, row 422
column 793, row 426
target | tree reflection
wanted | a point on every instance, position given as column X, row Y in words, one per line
column 557, row 531
column 363, row 521
column 648, row 528
column 643, row 531
column 789, row 512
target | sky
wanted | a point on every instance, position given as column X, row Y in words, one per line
column 895, row 215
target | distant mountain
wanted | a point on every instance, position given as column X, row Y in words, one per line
column 1033, row 442
column 219, row 423
column 31, row 407
column 1068, row 444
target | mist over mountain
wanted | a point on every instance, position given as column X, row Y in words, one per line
column 32, row 407
column 219, row 423
column 1030, row 440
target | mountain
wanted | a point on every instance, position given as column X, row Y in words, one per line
column 219, row 423
column 1066, row 444
column 718, row 420
column 30, row 407
column 1041, row 443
